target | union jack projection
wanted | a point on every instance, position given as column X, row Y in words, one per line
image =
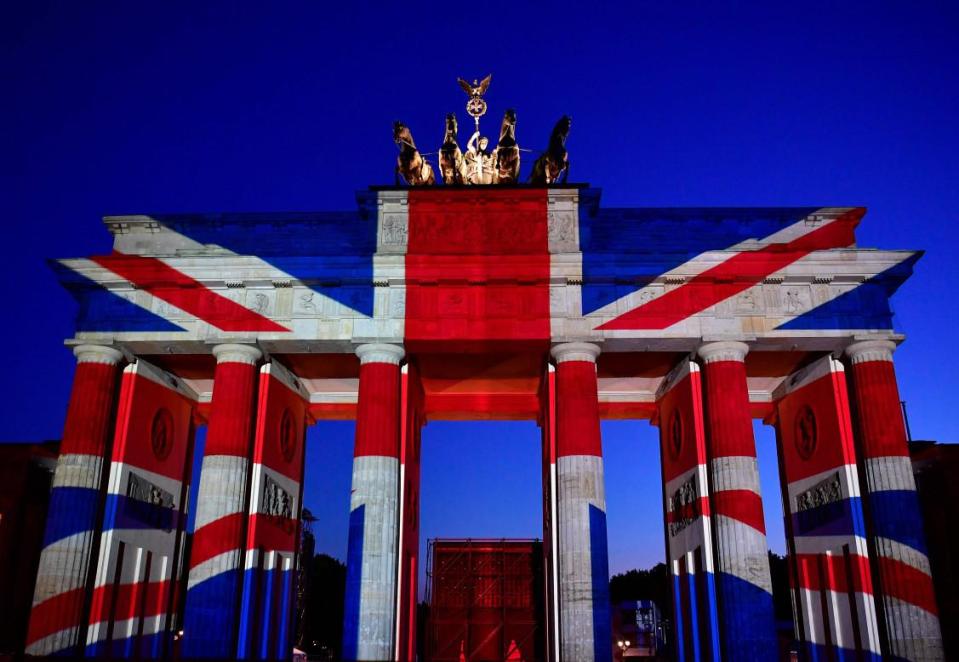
column 495, row 265
column 505, row 302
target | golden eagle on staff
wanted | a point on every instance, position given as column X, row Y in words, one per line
column 476, row 107
column 476, row 89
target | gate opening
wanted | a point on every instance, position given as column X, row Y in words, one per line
column 482, row 577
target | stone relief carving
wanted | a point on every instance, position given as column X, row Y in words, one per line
column 395, row 230
column 277, row 502
column 746, row 302
column 793, row 300
column 148, row 503
column 306, row 303
column 562, row 229
column 646, row 295
column 684, row 504
column 828, row 490
column 260, row 302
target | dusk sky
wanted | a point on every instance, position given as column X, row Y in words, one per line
column 176, row 107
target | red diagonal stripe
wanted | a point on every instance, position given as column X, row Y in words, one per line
column 54, row 614
column 909, row 584
column 178, row 289
column 741, row 505
column 733, row 276
column 217, row 537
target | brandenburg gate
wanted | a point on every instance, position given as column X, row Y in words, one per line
column 482, row 299
column 465, row 302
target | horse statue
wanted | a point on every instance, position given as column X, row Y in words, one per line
column 452, row 165
column 410, row 163
column 555, row 160
column 506, row 163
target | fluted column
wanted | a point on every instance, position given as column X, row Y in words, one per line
column 583, row 562
column 213, row 590
column 75, row 509
column 894, row 523
column 371, row 571
column 747, row 627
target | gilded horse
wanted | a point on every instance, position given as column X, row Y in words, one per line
column 452, row 165
column 506, row 164
column 416, row 170
column 555, row 160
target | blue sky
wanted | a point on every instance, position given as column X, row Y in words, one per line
column 151, row 107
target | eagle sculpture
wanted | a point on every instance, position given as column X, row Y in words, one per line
column 476, row 89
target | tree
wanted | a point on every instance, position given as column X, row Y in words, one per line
column 323, row 628
column 782, row 603
column 652, row 584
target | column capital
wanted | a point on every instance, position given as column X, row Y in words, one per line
column 575, row 351
column 97, row 354
column 236, row 353
column 870, row 350
column 723, row 350
column 380, row 353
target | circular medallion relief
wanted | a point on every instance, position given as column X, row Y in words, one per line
column 287, row 436
column 675, row 438
column 476, row 107
column 161, row 433
column 805, row 433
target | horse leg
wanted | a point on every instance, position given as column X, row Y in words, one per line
column 534, row 173
column 566, row 171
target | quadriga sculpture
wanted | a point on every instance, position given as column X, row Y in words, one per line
column 506, row 164
column 452, row 165
column 555, row 160
column 410, row 164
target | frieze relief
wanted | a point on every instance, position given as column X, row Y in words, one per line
column 261, row 301
column 277, row 504
column 148, row 503
column 796, row 299
column 562, row 230
column 684, row 506
column 826, row 491
column 394, row 231
column 747, row 303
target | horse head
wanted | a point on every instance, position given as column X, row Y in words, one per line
column 508, row 128
column 452, row 128
column 401, row 135
column 562, row 127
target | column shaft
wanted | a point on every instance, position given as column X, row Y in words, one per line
column 747, row 625
column 585, row 629
column 213, row 589
column 371, row 570
column 75, row 510
column 907, row 598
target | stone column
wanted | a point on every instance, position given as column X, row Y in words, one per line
column 894, row 524
column 747, row 628
column 583, row 564
column 216, row 557
column 371, row 570
column 76, row 508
